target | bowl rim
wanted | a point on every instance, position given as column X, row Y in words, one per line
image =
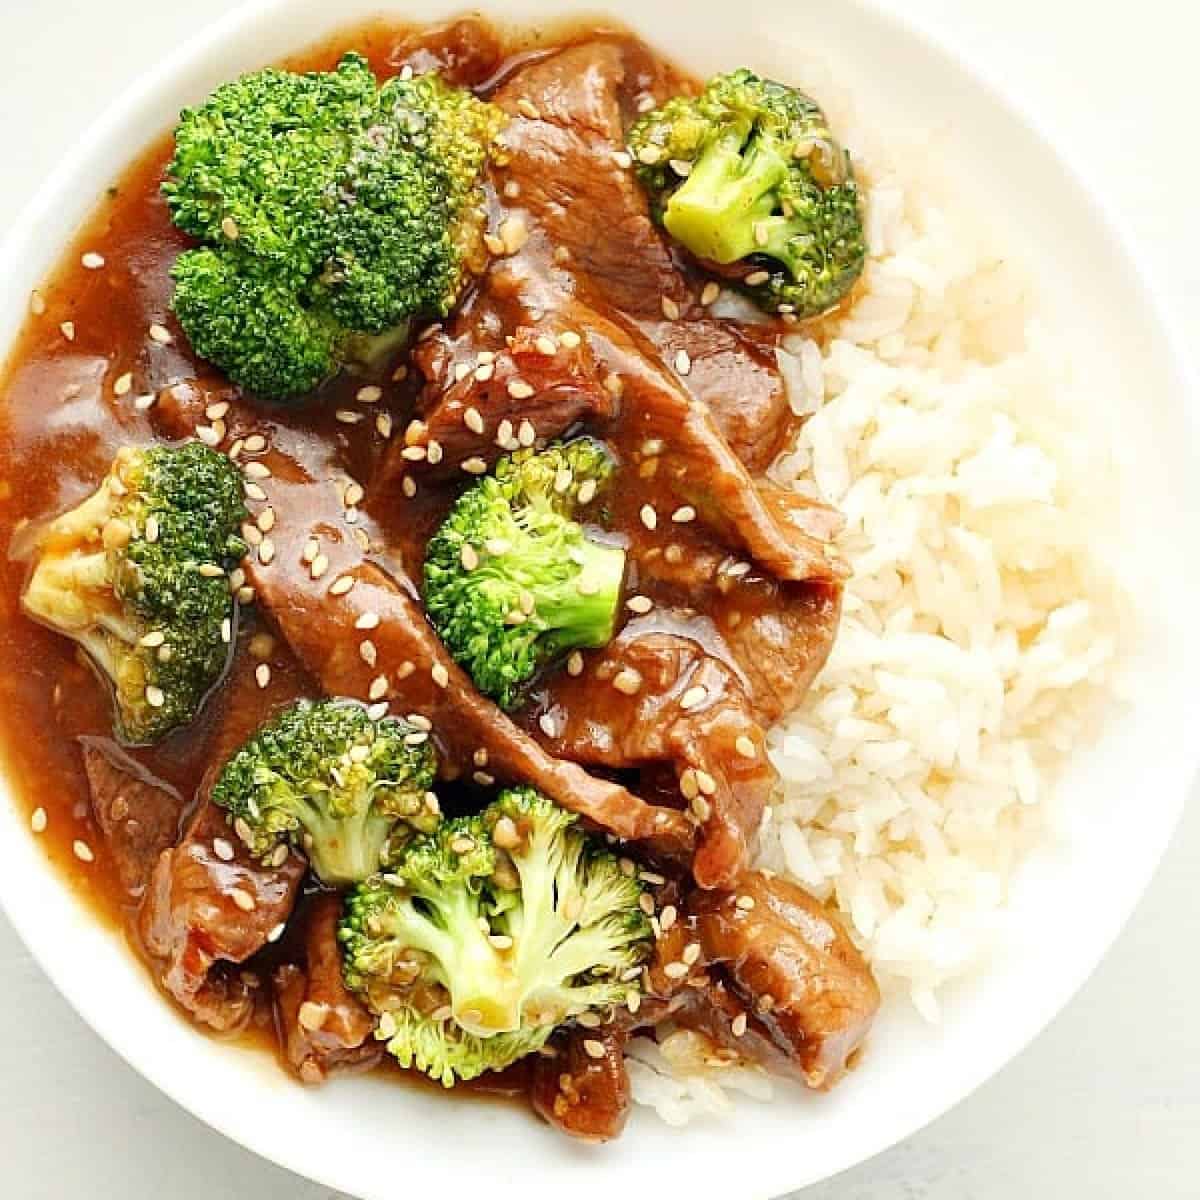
column 925, row 30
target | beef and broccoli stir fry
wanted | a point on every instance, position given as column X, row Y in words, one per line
column 413, row 604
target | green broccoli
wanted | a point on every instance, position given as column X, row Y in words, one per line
column 489, row 934
column 348, row 789
column 748, row 173
column 331, row 211
column 511, row 579
column 136, row 574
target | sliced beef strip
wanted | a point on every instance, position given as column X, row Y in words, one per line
column 583, row 1089
column 690, row 710
column 137, row 814
column 324, row 1028
column 208, row 908
column 794, row 966
column 374, row 642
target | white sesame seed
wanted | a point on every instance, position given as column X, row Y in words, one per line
column 367, row 652
column 367, row 620
column 227, row 631
column 155, row 697
column 738, row 1026
column 569, row 339
column 160, row 334
column 512, row 189
column 670, row 309
column 229, row 227
column 408, row 485
column 469, row 557
column 266, row 552
column 681, row 167
column 92, row 261
column 667, row 917
column 83, row 851
column 461, row 371
column 341, row 585
column 675, row 970
column 649, row 517
column 692, row 697
column 593, row 1048
column 37, row 820
column 513, row 233
column 546, row 345
column 710, row 294
column 440, row 675
column 738, row 570
column 745, row 747
column 256, row 443
column 587, row 491
column 146, row 402
column 419, row 721
column 319, row 566
column 378, row 688
column 434, row 452
column 383, row 424
column 348, row 416
column 242, row 899
column 548, row 725
column 371, row 394
column 208, row 435
column 681, row 516
column 474, row 466
column 745, row 903
column 691, row 953
column 472, row 419
column 256, row 470
column 623, row 160
column 683, row 362
column 627, row 681
column 639, row 604
column 262, row 675
column 575, row 663
column 518, row 389
column 223, row 849
column 68, row 330
column 705, row 782
column 276, row 932
column 483, row 778
column 649, row 155
column 245, row 595
column 756, row 277
column 254, row 491
column 122, row 384
column 377, row 711
column 762, row 234
column 646, row 903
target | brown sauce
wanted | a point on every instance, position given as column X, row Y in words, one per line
column 68, row 391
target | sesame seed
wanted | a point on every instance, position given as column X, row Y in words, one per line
column 208, row 435
column 223, row 849
column 500, row 941
column 691, row 953
column 405, row 669
column 473, row 420
column 493, row 243
column 705, row 782
column 266, row 520
column 461, row 371
column 688, row 785
column 513, row 233
column 667, row 917
column 649, row 517
column 761, row 233
column 408, row 485
column 348, row 416
column 683, row 362
column 587, row 491
column 765, row 1003
column 623, row 160
column 319, row 566
column 440, row 675
column 383, row 424
column 712, row 290
column 548, row 725
column 37, row 303
column 160, row 334
column 639, row 604
column 497, row 546
column 227, row 631
column 474, row 466
column 692, row 697
column 526, row 434
column 371, row 394
column 146, row 402
column 367, row 620
column 242, row 899
column 563, row 480
column 245, row 595
column 569, row 339
column 277, row 932
column 256, row 470
column 419, row 721
column 68, row 330
column 756, row 277
column 256, row 443
column 266, row 552
column 738, row 570
column 83, row 851
column 518, row 389
column 675, row 970
column 745, row 747
column 670, row 309
column 681, row 516
column 512, row 189
column 377, row 711
column 593, row 1048
column 122, row 384
column 575, row 663
column 681, row 167
column 367, row 652
column 92, row 261
column 462, row 844
column 262, row 675
column 229, row 227
column 738, row 1026
column 469, row 557
column 210, row 571
column 155, row 697
column 341, row 585
column 628, row 681
column 546, row 345
column 251, row 534
column 646, row 903
column 37, row 820
column 613, row 384
column 434, row 452
column 311, row 549
column 378, row 688
column 649, row 155
column 214, row 412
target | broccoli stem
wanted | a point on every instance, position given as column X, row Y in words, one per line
column 584, row 612
column 731, row 189
column 341, row 851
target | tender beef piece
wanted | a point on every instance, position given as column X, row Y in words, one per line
column 137, row 814
column 465, row 52
column 324, row 1028
column 584, row 1089
column 789, row 959
column 207, row 909
column 713, row 745
column 374, row 642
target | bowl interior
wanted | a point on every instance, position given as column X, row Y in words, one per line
column 1119, row 802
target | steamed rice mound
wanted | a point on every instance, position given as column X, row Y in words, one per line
column 977, row 644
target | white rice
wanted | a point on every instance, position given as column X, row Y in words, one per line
column 979, row 634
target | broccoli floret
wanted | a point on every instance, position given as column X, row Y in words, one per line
column 749, row 173
column 136, row 574
column 332, row 210
column 326, row 777
column 511, row 579
column 491, row 933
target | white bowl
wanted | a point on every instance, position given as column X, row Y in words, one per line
column 1120, row 803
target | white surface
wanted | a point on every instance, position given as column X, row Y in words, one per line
column 1059, row 1121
